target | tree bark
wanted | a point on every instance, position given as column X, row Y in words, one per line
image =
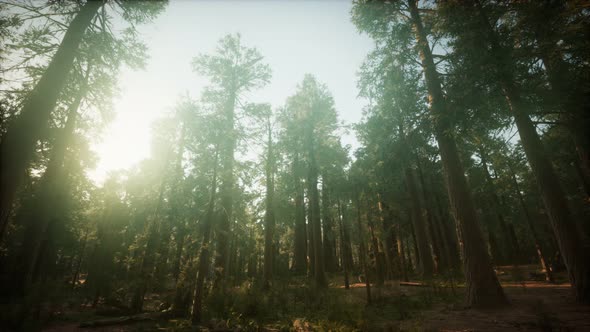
column 52, row 192
column 316, row 227
column 314, row 207
column 483, row 288
column 451, row 236
column 527, row 215
column 197, row 307
column 426, row 266
column 329, row 240
column 401, row 253
column 362, row 250
column 226, row 192
column 574, row 249
column 512, row 245
column 391, row 256
column 18, row 143
column 269, row 218
column 344, row 247
column 300, row 250
column 438, row 246
column 377, row 254
column 79, row 260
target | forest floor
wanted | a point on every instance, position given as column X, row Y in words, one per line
column 534, row 306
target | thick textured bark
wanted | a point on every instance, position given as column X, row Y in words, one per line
column 269, row 217
column 483, row 288
column 18, row 143
column 574, row 249
column 197, row 307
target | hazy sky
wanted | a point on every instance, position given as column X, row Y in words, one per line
column 295, row 37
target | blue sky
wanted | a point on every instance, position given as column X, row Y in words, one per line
column 295, row 37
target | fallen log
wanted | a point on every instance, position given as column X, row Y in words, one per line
column 122, row 320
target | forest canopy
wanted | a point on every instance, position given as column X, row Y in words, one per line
column 269, row 198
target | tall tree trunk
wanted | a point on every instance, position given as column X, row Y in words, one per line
column 401, row 253
column 226, row 192
column 483, row 288
column 391, row 256
column 344, row 246
column 18, row 143
column 377, row 254
column 161, row 267
column 512, row 245
column 76, row 274
column 314, row 206
column 527, row 215
column 408, row 252
column 363, row 250
column 329, row 240
column 176, row 201
column 179, row 239
column 450, row 234
column 574, row 250
column 346, row 234
column 309, row 234
column 426, row 265
column 269, row 218
column 52, row 192
column 568, row 94
column 441, row 259
column 148, row 259
column 197, row 307
column 300, row 259
column 316, row 227
column 145, row 272
column 417, row 257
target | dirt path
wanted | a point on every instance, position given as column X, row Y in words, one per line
column 542, row 308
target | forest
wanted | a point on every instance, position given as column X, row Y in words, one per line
column 462, row 203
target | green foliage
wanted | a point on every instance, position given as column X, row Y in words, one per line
column 140, row 233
